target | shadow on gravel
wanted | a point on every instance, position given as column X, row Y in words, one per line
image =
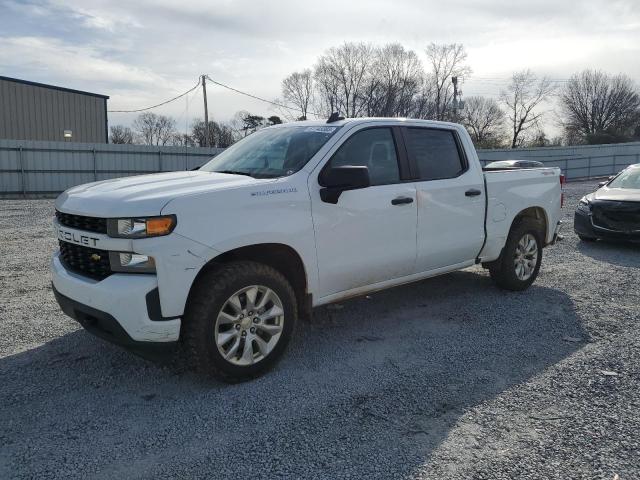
column 624, row 254
column 369, row 388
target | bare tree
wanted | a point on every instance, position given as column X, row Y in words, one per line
column 342, row 78
column 244, row 123
column 521, row 99
column 183, row 140
column 395, row 80
column 599, row 107
column 153, row 129
column 220, row 134
column 297, row 90
column 447, row 61
column 424, row 102
column 120, row 134
column 484, row 120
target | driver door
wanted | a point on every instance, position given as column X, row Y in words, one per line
column 369, row 235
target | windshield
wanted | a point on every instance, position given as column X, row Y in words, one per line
column 628, row 179
column 272, row 152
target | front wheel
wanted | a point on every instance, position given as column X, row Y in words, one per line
column 239, row 320
column 519, row 264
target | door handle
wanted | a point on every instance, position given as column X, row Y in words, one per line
column 474, row 192
column 401, row 200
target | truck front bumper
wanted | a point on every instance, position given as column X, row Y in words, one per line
column 119, row 308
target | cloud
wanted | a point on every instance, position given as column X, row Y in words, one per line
column 146, row 51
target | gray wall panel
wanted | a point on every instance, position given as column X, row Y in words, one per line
column 55, row 166
column 38, row 112
column 575, row 162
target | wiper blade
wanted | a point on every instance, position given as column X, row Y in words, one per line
column 234, row 172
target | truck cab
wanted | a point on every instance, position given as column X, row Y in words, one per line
column 225, row 259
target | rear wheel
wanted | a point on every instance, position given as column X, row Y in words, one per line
column 519, row 264
column 239, row 320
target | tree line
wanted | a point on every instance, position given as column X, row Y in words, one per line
column 358, row 79
column 152, row 129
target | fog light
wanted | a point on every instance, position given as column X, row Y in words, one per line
column 131, row 262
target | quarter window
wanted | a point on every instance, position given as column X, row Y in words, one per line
column 373, row 148
column 435, row 152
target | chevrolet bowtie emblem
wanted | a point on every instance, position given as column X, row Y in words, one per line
column 95, row 257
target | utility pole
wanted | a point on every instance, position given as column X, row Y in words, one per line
column 454, row 80
column 206, row 112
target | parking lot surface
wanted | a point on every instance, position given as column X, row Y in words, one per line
column 446, row 378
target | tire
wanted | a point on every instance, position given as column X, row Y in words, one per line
column 586, row 239
column 213, row 313
column 505, row 271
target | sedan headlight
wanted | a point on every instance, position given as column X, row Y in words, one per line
column 130, row 262
column 584, row 205
column 141, row 227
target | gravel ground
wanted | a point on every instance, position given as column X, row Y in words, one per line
column 446, row 378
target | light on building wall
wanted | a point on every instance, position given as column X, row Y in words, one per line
column 68, row 134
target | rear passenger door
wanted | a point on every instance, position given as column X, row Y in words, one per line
column 450, row 196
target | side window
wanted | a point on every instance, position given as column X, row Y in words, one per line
column 435, row 152
column 373, row 148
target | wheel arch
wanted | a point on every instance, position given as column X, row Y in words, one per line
column 279, row 256
column 536, row 213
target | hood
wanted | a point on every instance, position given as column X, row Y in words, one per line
column 144, row 195
column 616, row 194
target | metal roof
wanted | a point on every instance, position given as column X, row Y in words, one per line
column 52, row 87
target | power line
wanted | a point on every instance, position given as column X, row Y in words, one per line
column 159, row 104
column 259, row 98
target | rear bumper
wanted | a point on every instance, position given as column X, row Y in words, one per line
column 556, row 233
column 122, row 308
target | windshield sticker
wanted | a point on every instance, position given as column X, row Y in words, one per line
column 274, row 192
column 320, row 129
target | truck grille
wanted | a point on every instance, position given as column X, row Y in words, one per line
column 85, row 261
column 617, row 216
column 89, row 224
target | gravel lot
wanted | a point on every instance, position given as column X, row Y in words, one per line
column 446, row 378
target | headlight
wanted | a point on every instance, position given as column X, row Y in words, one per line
column 131, row 262
column 141, row 227
column 584, row 205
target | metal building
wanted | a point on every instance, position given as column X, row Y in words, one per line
column 35, row 111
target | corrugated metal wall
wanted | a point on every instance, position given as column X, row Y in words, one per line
column 48, row 168
column 32, row 112
column 576, row 162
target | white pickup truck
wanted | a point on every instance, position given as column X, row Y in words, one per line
column 225, row 259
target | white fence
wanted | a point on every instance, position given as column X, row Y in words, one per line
column 29, row 168
column 577, row 163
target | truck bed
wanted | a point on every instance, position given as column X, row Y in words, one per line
column 509, row 192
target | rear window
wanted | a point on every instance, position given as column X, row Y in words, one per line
column 435, row 152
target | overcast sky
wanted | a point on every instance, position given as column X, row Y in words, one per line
column 142, row 52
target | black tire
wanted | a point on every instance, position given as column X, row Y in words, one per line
column 586, row 239
column 206, row 300
column 503, row 271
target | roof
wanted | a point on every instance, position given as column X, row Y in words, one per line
column 358, row 120
column 52, row 87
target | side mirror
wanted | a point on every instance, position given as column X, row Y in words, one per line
column 602, row 184
column 340, row 179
